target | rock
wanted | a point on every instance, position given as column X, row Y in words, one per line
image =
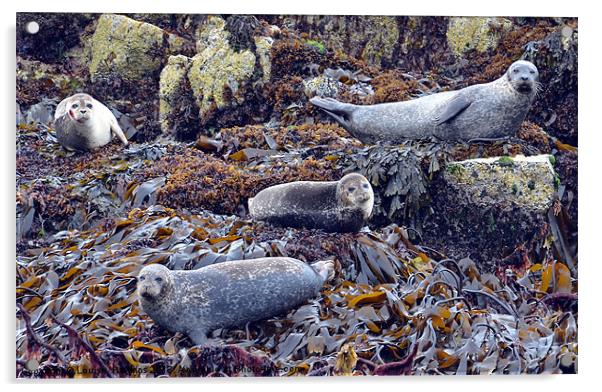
column 130, row 49
column 217, row 70
column 263, row 47
column 373, row 39
column 173, row 87
column 475, row 33
column 58, row 33
column 322, row 86
column 214, row 80
column 521, row 182
column 493, row 210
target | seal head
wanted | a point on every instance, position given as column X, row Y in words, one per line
column 154, row 282
column 523, row 76
column 354, row 191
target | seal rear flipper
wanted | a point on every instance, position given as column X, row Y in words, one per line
column 335, row 109
column 116, row 130
column 453, row 107
column 325, row 269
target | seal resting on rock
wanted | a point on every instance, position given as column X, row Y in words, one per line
column 83, row 123
column 335, row 206
column 492, row 110
column 227, row 294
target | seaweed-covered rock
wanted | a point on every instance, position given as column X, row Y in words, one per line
column 58, row 32
column 130, row 49
column 373, row 39
column 473, row 33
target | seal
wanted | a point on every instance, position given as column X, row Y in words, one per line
column 334, row 206
column 491, row 110
column 227, row 294
column 83, row 123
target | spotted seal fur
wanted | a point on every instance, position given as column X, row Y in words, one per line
column 83, row 123
column 492, row 110
column 227, row 294
column 335, row 206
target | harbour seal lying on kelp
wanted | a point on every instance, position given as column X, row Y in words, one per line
column 83, row 123
column 483, row 111
column 227, row 294
column 335, row 206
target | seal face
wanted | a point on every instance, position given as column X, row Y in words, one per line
column 335, row 206
column 483, row 111
column 83, row 123
column 227, row 294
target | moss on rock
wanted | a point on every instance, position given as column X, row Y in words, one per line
column 474, row 33
column 129, row 48
column 218, row 73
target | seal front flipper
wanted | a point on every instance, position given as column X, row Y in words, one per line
column 116, row 129
column 453, row 107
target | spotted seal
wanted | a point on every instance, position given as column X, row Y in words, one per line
column 227, row 294
column 492, row 110
column 83, row 123
column 335, row 206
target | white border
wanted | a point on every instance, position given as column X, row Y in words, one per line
column 589, row 177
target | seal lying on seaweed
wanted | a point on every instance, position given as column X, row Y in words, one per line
column 335, row 206
column 227, row 294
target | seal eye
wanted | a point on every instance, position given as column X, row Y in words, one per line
column 141, row 278
column 74, row 106
column 532, row 71
column 365, row 186
column 158, row 279
column 515, row 70
column 351, row 189
column 89, row 106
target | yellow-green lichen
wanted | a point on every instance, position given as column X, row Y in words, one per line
column 384, row 35
column 475, row 33
column 264, row 46
column 129, row 48
column 528, row 183
column 172, row 78
column 218, row 67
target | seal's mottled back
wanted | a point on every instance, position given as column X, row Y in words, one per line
column 228, row 294
column 483, row 111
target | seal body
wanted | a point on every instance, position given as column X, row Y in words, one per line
column 227, row 294
column 335, row 206
column 83, row 123
column 484, row 111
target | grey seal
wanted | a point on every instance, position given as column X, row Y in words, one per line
column 83, row 123
column 334, row 206
column 491, row 110
column 227, row 294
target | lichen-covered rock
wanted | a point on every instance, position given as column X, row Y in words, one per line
column 475, row 33
column 523, row 182
column 373, row 39
column 218, row 73
column 263, row 47
column 130, row 49
column 322, row 86
column 173, row 89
